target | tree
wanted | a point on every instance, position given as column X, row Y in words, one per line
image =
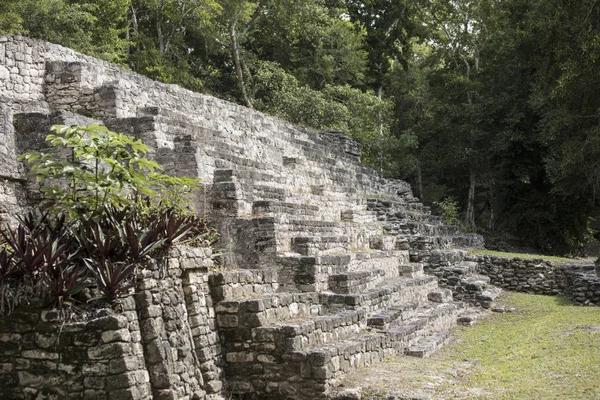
column 93, row 27
column 163, row 38
column 455, row 27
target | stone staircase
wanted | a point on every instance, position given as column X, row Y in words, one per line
column 352, row 271
column 329, row 265
column 351, row 292
column 297, row 345
column 357, row 276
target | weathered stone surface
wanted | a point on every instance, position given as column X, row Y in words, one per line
column 321, row 259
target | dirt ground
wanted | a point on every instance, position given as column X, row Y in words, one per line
column 413, row 378
column 403, row 377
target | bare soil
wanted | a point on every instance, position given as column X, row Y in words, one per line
column 403, row 377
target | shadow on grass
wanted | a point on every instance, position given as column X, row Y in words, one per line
column 562, row 300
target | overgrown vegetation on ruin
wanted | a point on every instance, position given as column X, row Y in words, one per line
column 491, row 103
column 105, row 211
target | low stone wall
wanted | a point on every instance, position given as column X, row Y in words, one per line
column 162, row 343
column 44, row 357
column 578, row 281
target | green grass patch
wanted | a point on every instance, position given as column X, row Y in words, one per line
column 546, row 349
column 523, row 256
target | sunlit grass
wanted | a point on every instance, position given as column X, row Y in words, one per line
column 523, row 256
column 546, row 349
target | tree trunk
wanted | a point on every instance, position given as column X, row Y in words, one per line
column 132, row 27
column 492, row 220
column 235, row 52
column 161, row 39
column 420, row 182
column 380, row 119
column 470, row 220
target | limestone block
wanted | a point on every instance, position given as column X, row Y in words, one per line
column 440, row 296
column 109, row 351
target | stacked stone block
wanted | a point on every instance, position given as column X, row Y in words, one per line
column 295, row 345
column 341, row 237
column 43, row 356
column 579, row 281
column 162, row 343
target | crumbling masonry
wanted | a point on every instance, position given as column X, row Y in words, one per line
column 322, row 259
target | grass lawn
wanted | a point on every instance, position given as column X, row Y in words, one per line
column 546, row 349
column 522, row 256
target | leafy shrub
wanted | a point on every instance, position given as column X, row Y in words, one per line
column 106, row 212
column 87, row 168
column 448, row 209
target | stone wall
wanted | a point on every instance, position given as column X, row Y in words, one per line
column 37, row 76
column 322, row 258
column 578, row 281
column 161, row 344
column 190, row 134
column 44, row 357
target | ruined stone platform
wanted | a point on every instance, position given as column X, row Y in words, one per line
column 325, row 265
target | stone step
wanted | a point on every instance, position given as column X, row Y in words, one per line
column 321, row 330
column 355, row 281
column 215, row 143
column 440, row 295
column 228, row 156
column 428, row 345
column 465, row 283
column 243, row 314
column 358, row 216
column 430, row 242
column 486, row 298
column 402, row 243
column 320, row 245
column 329, row 362
column 474, row 282
column 279, row 207
column 305, row 356
column 464, row 268
column 392, row 315
column 389, row 261
column 409, row 205
column 412, row 270
column 300, row 227
column 437, row 258
column 270, row 193
column 245, row 174
column 394, row 291
column 466, row 320
column 383, row 242
column 242, row 284
column 311, row 273
column 397, row 315
column 410, row 217
column 412, row 228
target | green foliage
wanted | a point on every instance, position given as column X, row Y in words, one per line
column 92, row 27
column 91, row 167
column 11, row 21
column 339, row 57
column 547, row 349
column 448, row 209
column 107, row 214
column 38, row 250
column 495, row 96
